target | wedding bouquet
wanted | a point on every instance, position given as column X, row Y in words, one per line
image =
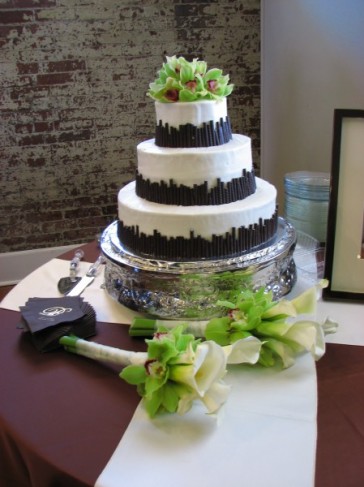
column 176, row 370
column 284, row 328
column 179, row 368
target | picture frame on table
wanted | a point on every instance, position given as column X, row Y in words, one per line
column 344, row 260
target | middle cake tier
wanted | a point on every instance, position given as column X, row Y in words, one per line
column 196, row 176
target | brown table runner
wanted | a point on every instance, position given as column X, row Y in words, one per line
column 340, row 445
column 61, row 416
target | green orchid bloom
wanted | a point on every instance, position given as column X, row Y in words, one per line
column 176, row 370
column 285, row 327
column 187, row 81
column 179, row 370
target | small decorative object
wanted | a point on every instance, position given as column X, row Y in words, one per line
column 306, row 202
column 86, row 280
column 344, row 261
column 184, row 81
column 65, row 284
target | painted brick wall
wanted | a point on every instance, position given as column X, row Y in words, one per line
column 73, row 78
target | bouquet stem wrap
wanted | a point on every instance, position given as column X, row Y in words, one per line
column 101, row 352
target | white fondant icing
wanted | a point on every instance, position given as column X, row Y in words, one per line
column 174, row 221
column 196, row 113
column 195, row 165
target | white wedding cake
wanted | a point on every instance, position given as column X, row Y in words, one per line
column 195, row 195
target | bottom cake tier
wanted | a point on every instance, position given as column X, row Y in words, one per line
column 191, row 290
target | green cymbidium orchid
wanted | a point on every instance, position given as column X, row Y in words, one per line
column 276, row 324
column 179, row 370
column 176, row 370
column 187, row 81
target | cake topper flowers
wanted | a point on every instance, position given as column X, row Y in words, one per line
column 186, row 81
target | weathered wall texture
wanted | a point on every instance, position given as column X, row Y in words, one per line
column 73, row 78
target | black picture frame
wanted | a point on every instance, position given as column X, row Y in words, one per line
column 344, row 259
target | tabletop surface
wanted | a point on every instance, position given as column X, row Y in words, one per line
column 61, row 417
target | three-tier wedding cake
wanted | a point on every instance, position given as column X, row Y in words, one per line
column 196, row 226
column 195, row 195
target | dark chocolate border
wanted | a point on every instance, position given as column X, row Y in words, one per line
column 189, row 135
column 238, row 241
column 172, row 194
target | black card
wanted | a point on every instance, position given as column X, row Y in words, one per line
column 41, row 313
column 48, row 319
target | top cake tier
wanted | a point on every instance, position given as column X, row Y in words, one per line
column 194, row 124
column 190, row 104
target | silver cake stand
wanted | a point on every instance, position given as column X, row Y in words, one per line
column 191, row 290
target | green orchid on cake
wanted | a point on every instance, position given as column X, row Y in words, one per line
column 180, row 80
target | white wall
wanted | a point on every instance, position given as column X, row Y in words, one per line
column 14, row 266
column 312, row 62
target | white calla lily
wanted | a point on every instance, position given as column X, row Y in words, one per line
column 216, row 396
column 245, row 350
column 203, row 378
column 208, row 367
column 284, row 351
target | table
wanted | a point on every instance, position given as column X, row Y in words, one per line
column 77, row 402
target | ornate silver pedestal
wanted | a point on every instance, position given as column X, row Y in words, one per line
column 190, row 290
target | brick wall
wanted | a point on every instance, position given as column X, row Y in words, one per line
column 73, row 79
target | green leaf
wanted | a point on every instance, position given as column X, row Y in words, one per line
column 282, row 309
column 273, row 328
column 228, row 90
column 238, row 335
column 201, row 67
column 170, row 398
column 153, row 403
column 306, row 302
column 134, row 374
column 187, row 74
column 153, row 384
column 183, row 340
column 217, row 329
column 214, row 73
column 266, row 357
column 170, row 71
column 187, row 95
column 281, row 350
column 226, row 304
column 161, row 350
